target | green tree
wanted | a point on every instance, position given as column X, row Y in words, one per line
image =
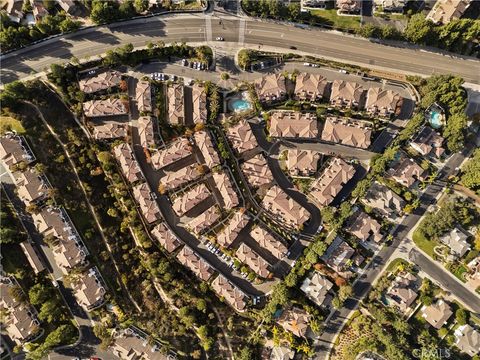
column 345, row 292
column 50, row 311
column 104, row 11
column 361, row 188
column 471, row 172
column 337, row 302
column 311, row 257
column 245, row 354
column 201, row 305
column 291, row 279
column 62, row 334
column 419, row 30
column 140, row 5
column 17, row 293
column 244, row 58
column 104, row 334
column 446, row 90
column 461, row 315
column 369, row 31
column 38, row 294
column 454, row 132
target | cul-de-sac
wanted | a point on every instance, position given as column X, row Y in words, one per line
column 240, row 179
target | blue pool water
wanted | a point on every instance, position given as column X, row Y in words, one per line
column 436, row 120
column 239, row 105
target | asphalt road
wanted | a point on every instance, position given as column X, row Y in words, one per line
column 363, row 286
column 89, row 344
column 236, row 31
column 444, row 279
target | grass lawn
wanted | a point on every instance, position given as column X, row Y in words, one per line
column 330, row 17
column 395, row 263
column 459, row 271
column 423, row 243
column 8, row 123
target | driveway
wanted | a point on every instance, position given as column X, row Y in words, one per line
column 329, row 149
column 361, row 288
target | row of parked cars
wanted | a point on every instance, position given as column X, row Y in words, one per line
column 224, row 257
column 162, row 77
column 194, row 64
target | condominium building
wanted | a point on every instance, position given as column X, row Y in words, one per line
column 331, row 182
column 293, row 124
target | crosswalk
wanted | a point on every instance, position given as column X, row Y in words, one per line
column 241, row 29
column 208, row 27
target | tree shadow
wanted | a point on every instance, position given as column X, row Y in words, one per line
column 96, row 36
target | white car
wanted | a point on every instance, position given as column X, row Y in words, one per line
column 307, row 64
column 343, row 71
column 219, row 38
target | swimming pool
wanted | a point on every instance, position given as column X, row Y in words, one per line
column 436, row 119
column 240, row 103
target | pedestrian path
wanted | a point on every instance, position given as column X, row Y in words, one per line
column 241, row 34
column 208, row 27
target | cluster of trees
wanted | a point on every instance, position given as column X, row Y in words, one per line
column 447, row 91
column 213, row 101
column 10, row 231
column 457, row 36
column 471, row 172
column 273, row 9
column 106, row 11
column 13, row 35
column 193, row 309
column 386, row 32
column 386, row 335
column 452, row 211
column 12, row 95
column 126, row 55
column 334, row 217
column 47, row 301
column 60, row 335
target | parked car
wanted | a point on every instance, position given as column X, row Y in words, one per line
column 343, row 71
column 219, row 38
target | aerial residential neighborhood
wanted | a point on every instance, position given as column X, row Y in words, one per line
column 239, row 179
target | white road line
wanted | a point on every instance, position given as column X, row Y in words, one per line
column 241, row 29
column 208, row 27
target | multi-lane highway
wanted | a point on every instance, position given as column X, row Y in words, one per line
column 237, row 32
